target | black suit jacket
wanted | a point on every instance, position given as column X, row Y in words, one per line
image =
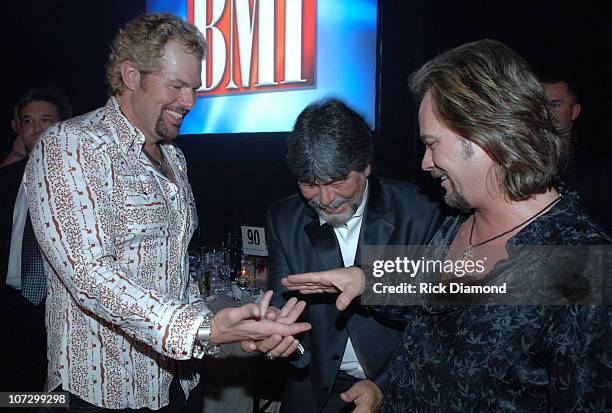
column 396, row 214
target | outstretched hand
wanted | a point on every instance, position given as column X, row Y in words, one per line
column 249, row 322
column 349, row 282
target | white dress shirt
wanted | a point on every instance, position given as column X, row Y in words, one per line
column 20, row 212
column 348, row 239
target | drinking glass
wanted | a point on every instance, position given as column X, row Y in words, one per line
column 242, row 282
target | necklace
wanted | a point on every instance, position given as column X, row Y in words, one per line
column 467, row 253
column 157, row 164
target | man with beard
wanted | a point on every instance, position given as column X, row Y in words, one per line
column 491, row 140
column 341, row 206
column 113, row 212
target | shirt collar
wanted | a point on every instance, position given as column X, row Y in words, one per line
column 130, row 137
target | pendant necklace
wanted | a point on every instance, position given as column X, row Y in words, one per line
column 467, row 253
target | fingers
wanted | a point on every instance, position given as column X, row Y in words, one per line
column 269, row 343
column 279, row 346
column 351, row 394
column 245, row 312
column 295, row 312
column 285, row 329
column 344, row 299
column 248, row 346
column 265, row 302
column 306, row 278
column 310, row 286
column 312, row 290
column 288, row 307
column 366, row 395
column 288, row 314
column 272, row 313
column 290, row 350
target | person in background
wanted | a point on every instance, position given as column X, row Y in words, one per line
column 36, row 111
column 492, row 143
column 113, row 212
column 22, row 278
column 341, row 207
column 563, row 104
column 586, row 173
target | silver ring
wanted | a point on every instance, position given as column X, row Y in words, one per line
column 269, row 356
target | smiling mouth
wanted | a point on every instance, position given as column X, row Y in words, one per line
column 174, row 114
column 331, row 210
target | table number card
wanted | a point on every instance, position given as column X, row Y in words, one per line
column 254, row 241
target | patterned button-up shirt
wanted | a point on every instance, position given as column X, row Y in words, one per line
column 121, row 309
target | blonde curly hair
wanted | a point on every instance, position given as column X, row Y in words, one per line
column 141, row 42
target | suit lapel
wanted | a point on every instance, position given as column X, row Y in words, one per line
column 324, row 242
column 379, row 222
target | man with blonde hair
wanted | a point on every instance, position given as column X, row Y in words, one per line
column 113, row 212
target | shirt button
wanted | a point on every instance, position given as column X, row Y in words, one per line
column 172, row 198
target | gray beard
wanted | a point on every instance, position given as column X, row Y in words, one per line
column 336, row 220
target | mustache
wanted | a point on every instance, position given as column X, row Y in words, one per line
column 336, row 203
column 437, row 173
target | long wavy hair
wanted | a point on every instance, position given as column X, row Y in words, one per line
column 486, row 93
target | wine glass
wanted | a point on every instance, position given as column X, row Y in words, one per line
column 242, row 281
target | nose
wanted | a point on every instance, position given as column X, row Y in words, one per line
column 326, row 195
column 427, row 162
column 38, row 128
column 188, row 99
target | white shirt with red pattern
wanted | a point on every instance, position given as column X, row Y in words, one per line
column 121, row 309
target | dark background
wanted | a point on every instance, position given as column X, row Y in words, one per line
column 235, row 177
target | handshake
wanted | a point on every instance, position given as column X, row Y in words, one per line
column 259, row 327
column 272, row 331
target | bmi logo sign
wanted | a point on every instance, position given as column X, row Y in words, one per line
column 256, row 45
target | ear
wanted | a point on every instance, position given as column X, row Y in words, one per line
column 367, row 170
column 16, row 126
column 576, row 111
column 130, row 75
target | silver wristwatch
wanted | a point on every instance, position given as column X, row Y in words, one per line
column 203, row 338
